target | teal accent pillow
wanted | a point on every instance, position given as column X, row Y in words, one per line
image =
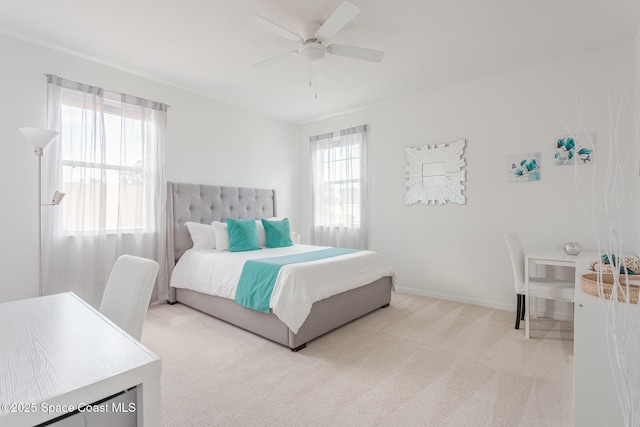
column 277, row 232
column 243, row 235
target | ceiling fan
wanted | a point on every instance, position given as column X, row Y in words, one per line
column 314, row 35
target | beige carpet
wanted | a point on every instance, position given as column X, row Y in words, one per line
column 419, row 362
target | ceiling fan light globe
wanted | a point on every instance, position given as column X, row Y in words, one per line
column 313, row 52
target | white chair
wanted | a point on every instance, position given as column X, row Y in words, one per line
column 538, row 287
column 126, row 297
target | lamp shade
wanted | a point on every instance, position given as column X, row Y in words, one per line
column 39, row 138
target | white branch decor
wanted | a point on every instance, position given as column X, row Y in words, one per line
column 621, row 315
column 434, row 174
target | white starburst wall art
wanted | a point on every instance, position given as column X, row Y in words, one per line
column 434, row 174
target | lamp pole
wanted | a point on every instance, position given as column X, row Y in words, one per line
column 39, row 219
column 39, row 138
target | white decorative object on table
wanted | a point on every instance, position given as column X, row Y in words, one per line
column 572, row 248
column 615, row 340
column 434, row 174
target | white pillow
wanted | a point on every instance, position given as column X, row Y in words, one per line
column 222, row 235
column 262, row 237
column 203, row 235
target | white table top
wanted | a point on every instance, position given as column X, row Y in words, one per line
column 58, row 350
column 559, row 255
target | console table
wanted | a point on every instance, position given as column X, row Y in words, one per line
column 578, row 263
column 58, row 354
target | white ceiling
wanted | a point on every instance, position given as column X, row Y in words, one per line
column 208, row 46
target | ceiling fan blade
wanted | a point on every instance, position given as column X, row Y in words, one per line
column 356, row 52
column 275, row 28
column 338, row 19
column 275, row 59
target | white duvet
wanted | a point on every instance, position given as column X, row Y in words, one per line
column 297, row 286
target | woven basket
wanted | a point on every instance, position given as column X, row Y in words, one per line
column 589, row 284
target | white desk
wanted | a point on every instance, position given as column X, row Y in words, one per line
column 57, row 350
column 579, row 263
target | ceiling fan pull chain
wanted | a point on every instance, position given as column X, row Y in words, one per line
column 313, row 77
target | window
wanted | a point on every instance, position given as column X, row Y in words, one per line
column 103, row 176
column 339, row 185
column 340, row 190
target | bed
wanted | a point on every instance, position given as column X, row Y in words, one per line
column 207, row 203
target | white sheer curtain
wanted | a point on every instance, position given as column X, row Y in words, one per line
column 339, row 188
column 109, row 161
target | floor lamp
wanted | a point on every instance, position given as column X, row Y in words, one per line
column 39, row 139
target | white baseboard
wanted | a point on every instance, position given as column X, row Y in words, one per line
column 457, row 298
column 550, row 314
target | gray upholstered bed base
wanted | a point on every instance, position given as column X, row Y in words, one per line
column 325, row 316
column 207, row 203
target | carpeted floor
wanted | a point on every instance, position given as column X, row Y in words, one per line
column 419, row 362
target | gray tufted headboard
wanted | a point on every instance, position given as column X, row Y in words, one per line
column 207, row 203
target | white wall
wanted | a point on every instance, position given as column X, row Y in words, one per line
column 458, row 251
column 637, row 65
column 208, row 142
column 452, row 251
column 637, row 101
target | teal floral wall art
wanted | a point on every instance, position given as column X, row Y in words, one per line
column 524, row 167
column 570, row 150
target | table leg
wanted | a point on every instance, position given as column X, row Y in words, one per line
column 148, row 408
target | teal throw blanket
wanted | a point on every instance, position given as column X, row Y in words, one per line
column 259, row 276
